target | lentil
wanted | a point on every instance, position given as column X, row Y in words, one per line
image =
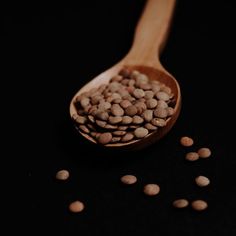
column 180, row 203
column 62, row 175
column 199, row 205
column 204, row 152
column 192, row 156
column 76, row 207
column 186, row 141
column 151, row 189
column 202, row 181
column 128, row 179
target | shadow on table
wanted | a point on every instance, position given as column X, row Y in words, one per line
column 75, row 146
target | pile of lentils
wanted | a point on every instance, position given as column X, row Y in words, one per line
column 128, row 108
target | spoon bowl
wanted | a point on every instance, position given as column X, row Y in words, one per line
column 143, row 57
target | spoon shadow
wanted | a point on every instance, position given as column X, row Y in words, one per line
column 83, row 152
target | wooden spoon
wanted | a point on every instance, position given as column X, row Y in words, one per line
column 150, row 36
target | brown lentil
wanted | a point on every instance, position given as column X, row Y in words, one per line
column 170, row 111
column 114, row 86
column 186, row 141
column 202, row 181
column 91, row 118
column 102, row 115
column 166, row 89
column 84, row 102
column 105, row 138
column 95, row 99
column 138, row 93
column 141, row 79
column 199, row 205
column 117, row 100
column 62, row 175
column 151, row 189
column 125, row 103
column 158, row 122
column 116, row 78
column 162, row 96
column 192, row 156
column 115, row 139
column 127, row 137
column 145, row 86
column 116, row 110
column 147, row 115
column 155, row 88
column 134, row 74
column 119, row 132
column 104, row 105
column 80, row 119
column 162, row 104
column 76, row 207
column 110, row 127
column 140, row 132
column 124, row 72
column 204, row 152
column 180, row 203
column 151, row 103
column 141, row 105
column 128, row 179
column 125, row 82
column 101, row 123
column 160, row 113
column 122, row 127
column 149, row 94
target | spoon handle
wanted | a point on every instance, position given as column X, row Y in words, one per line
column 151, row 32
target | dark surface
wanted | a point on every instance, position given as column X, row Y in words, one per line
column 51, row 52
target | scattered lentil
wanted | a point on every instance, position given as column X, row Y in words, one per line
column 199, row 205
column 62, row 175
column 84, row 129
column 186, row 141
column 76, row 206
column 147, row 115
column 137, row 120
column 180, row 203
column 140, row 132
column 127, row 137
column 128, row 179
column 150, row 126
column 151, row 189
column 204, row 152
column 192, row 156
column 131, row 110
column 105, row 138
column 202, row 181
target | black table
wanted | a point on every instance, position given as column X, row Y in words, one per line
column 54, row 50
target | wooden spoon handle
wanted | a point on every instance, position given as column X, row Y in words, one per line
column 151, row 32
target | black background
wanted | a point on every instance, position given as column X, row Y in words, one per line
column 52, row 50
